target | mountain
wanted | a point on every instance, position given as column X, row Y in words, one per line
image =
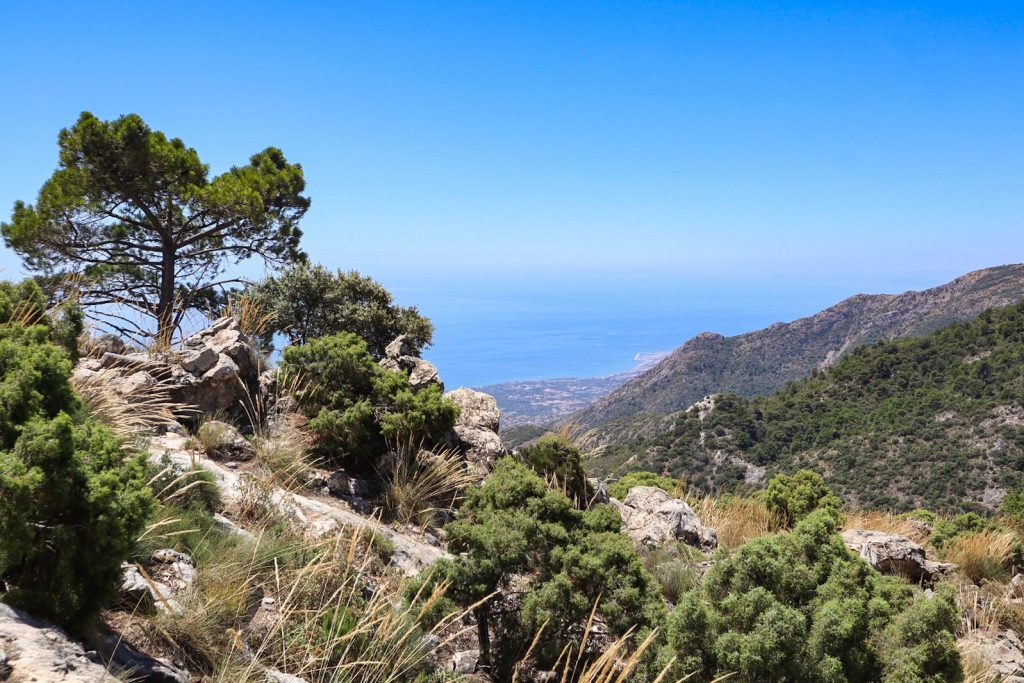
column 758, row 363
column 936, row 421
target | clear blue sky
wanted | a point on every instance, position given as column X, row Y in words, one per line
column 875, row 144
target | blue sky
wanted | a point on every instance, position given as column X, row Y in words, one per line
column 876, row 145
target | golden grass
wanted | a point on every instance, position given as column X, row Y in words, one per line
column 983, row 555
column 736, row 519
column 253, row 319
column 382, row 643
column 424, row 483
column 879, row 520
column 131, row 415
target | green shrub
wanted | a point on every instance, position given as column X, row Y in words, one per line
column 307, row 302
column 357, row 408
column 946, row 530
column 619, row 489
column 560, row 462
column 800, row 606
column 1013, row 504
column 71, row 501
column 516, row 536
column 795, row 496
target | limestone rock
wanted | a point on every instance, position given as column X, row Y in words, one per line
column 652, row 518
column 223, row 442
column 275, row 676
column 36, row 651
column 107, row 343
column 893, row 554
column 400, row 356
column 1003, row 653
column 465, row 662
column 476, row 430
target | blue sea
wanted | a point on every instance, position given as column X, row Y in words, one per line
column 497, row 330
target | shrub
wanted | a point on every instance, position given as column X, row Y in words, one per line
column 800, row 606
column 619, row 489
column 560, row 462
column 356, row 407
column 946, row 530
column 71, row 501
column 549, row 562
column 794, row 496
column 307, row 302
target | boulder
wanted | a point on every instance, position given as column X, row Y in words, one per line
column 219, row 370
column 1002, row 653
column 465, row 662
column 31, row 650
column 400, row 357
column 107, row 343
column 652, row 518
column 223, row 442
column 476, row 430
column 894, row 554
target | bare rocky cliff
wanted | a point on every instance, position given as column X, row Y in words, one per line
column 758, row 363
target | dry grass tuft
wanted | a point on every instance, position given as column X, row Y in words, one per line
column 134, row 414
column 983, row 555
column 252, row 318
column 736, row 519
column 424, row 483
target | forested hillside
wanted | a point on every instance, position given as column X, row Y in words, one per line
column 936, row 420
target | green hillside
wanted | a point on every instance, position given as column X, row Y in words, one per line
column 936, row 420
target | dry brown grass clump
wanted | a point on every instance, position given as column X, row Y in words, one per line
column 423, row 484
column 982, row 555
column 130, row 415
column 736, row 519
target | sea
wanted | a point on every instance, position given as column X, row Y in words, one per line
column 512, row 329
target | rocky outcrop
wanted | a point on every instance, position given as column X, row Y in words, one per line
column 1002, row 653
column 400, row 356
column 314, row 516
column 31, row 650
column 653, row 518
column 215, row 372
column 894, row 554
column 476, row 430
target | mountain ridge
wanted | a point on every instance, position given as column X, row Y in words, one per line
column 760, row 362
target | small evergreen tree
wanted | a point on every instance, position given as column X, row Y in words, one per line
column 795, row 496
column 71, row 501
column 357, row 408
column 542, row 560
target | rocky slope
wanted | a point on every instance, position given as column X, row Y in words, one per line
column 760, row 362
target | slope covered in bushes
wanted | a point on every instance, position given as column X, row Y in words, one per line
column 936, row 420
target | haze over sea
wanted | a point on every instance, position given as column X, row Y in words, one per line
column 507, row 328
